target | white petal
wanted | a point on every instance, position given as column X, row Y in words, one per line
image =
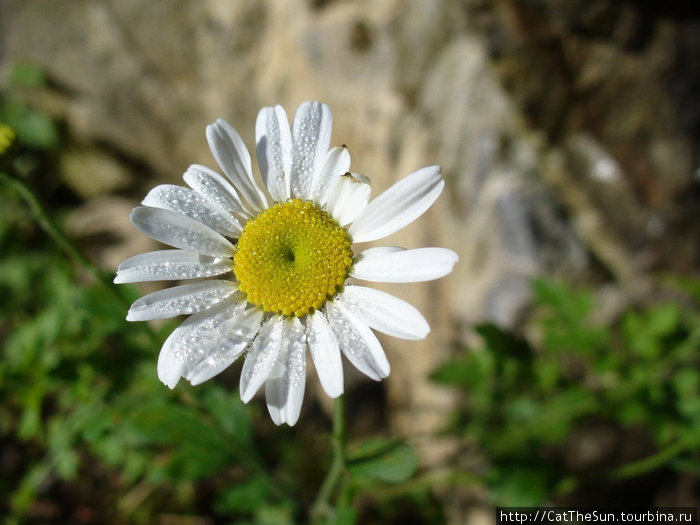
column 274, row 146
column 213, row 187
column 230, row 152
column 261, row 357
column 284, row 388
column 170, row 265
column 325, row 354
column 357, row 342
column 336, row 163
column 170, row 364
column 180, row 231
column 349, row 197
column 404, row 266
column 180, row 300
column 398, row 206
column 187, row 201
column 208, row 342
column 235, row 335
column 385, row 312
column 311, row 136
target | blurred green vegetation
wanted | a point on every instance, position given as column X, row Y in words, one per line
column 528, row 401
column 34, row 129
column 89, row 435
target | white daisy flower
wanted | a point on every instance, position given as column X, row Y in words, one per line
column 281, row 260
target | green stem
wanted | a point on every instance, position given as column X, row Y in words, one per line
column 53, row 231
column 322, row 507
column 653, row 462
column 50, row 227
column 634, row 468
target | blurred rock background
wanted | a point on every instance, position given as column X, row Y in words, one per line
column 568, row 134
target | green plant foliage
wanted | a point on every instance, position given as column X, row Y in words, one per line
column 385, row 460
column 344, row 515
column 26, row 74
column 33, row 128
column 244, row 497
column 524, row 399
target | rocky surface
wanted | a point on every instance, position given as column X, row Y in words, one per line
column 568, row 132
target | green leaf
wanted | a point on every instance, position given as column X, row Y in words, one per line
column 274, row 515
column 198, row 448
column 686, row 383
column 381, row 459
column 632, row 412
column 343, row 515
column 523, row 409
column 30, row 424
column 548, row 374
column 685, row 283
column 456, row 372
column 663, row 319
column 640, row 341
column 25, row 74
column 230, row 413
column 243, row 497
column 563, row 314
column 33, row 128
column 521, row 487
column 561, row 298
column 502, row 343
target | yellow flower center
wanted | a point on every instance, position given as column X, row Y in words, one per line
column 292, row 258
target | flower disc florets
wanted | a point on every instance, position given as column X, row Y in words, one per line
column 292, row 258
